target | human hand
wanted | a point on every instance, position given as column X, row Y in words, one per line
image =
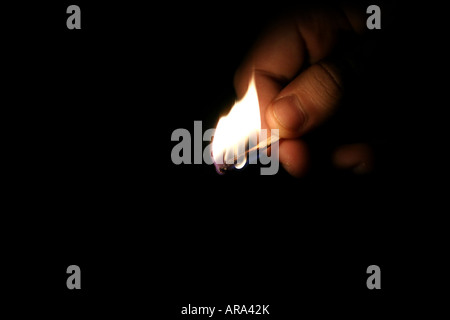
column 298, row 83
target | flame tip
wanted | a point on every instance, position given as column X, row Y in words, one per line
column 241, row 121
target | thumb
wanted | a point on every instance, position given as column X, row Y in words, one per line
column 306, row 101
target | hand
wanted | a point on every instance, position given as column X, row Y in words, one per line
column 299, row 85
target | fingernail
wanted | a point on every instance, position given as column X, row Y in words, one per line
column 361, row 168
column 288, row 113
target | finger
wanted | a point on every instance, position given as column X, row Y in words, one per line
column 358, row 156
column 307, row 101
column 274, row 60
column 294, row 157
column 280, row 55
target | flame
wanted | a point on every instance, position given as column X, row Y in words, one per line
column 234, row 129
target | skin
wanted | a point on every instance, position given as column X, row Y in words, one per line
column 298, row 84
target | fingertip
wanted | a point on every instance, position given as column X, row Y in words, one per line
column 286, row 115
column 294, row 157
column 358, row 157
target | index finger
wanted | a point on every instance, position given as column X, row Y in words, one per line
column 286, row 48
column 274, row 60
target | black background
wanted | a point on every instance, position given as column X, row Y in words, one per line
column 89, row 120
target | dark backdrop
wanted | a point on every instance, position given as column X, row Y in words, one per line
column 89, row 125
